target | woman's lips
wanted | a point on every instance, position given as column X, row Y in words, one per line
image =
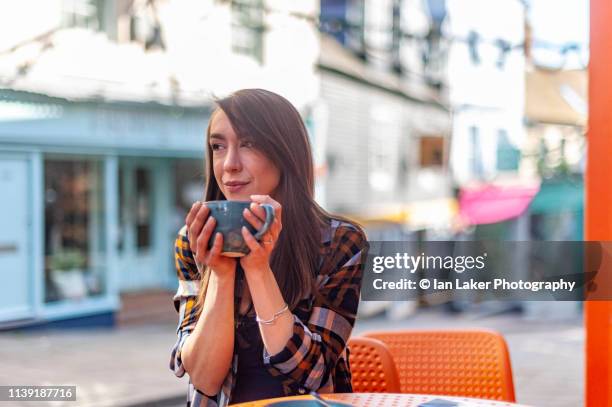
column 235, row 186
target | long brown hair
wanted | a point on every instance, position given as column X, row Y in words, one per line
column 278, row 132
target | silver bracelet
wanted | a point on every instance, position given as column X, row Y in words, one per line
column 272, row 320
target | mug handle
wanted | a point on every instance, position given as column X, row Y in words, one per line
column 267, row 223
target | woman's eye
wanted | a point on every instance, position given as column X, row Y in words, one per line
column 248, row 144
column 216, row 146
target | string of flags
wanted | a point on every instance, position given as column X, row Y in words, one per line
column 338, row 26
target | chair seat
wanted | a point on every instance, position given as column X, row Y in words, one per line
column 471, row 363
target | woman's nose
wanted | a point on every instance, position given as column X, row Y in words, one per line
column 232, row 160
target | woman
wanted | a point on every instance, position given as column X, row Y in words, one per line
column 275, row 322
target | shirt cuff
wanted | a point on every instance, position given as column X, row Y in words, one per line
column 186, row 288
column 289, row 358
column 176, row 362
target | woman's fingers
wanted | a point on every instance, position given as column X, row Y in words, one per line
column 252, row 218
column 250, row 241
column 203, row 238
column 276, row 228
column 217, row 245
column 197, row 222
column 192, row 212
column 258, row 210
column 215, row 260
column 278, row 210
column 266, row 199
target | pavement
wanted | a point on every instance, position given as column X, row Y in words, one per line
column 128, row 365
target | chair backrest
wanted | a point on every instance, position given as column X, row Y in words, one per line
column 471, row 363
column 372, row 367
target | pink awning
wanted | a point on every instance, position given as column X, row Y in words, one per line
column 492, row 203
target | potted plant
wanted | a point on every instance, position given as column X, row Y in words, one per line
column 67, row 272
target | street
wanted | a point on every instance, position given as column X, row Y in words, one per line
column 129, row 365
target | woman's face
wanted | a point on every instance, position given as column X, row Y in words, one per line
column 240, row 168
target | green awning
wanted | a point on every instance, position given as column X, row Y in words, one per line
column 559, row 195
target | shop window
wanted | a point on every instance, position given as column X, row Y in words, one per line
column 476, row 153
column 383, row 162
column 383, row 148
column 143, row 209
column 136, row 208
column 432, row 151
column 144, row 24
column 122, row 211
column 74, row 229
column 189, row 187
column 344, row 20
column 248, row 28
column 83, row 14
column 508, row 156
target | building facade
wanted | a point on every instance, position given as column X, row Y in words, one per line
column 96, row 192
column 103, row 112
column 389, row 126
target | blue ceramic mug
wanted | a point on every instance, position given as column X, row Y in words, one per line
column 230, row 221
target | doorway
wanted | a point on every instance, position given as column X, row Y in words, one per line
column 139, row 220
column 15, row 233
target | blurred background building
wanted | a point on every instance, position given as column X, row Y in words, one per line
column 104, row 109
column 428, row 122
column 388, row 116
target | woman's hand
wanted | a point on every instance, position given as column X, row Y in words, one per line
column 199, row 230
column 258, row 259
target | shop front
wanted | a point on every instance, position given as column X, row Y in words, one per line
column 93, row 195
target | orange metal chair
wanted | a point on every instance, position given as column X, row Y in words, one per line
column 471, row 363
column 372, row 367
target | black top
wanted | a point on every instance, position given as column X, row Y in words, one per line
column 253, row 381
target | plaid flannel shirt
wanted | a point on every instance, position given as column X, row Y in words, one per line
column 316, row 356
